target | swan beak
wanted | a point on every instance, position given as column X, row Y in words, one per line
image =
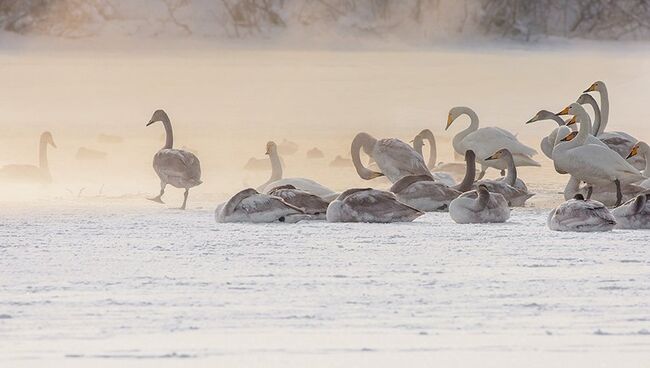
column 150, row 122
column 570, row 136
column 590, row 89
column 571, row 121
column 532, row 120
column 375, row 175
column 53, row 144
column 493, row 157
column 634, row 152
column 267, row 152
column 449, row 121
column 563, row 112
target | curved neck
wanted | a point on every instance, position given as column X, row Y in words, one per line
column 428, row 135
column 595, row 130
column 604, row 108
column 511, row 177
column 233, row 202
column 483, row 199
column 42, row 155
column 276, row 166
column 169, row 135
column 473, row 126
column 572, row 187
column 585, row 128
column 646, row 156
column 367, row 142
column 470, row 173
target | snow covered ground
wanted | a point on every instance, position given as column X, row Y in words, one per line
column 133, row 284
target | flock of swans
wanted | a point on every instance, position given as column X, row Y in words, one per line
column 614, row 167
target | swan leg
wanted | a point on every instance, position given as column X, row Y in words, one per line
column 590, row 190
column 187, row 192
column 619, row 195
column 162, row 191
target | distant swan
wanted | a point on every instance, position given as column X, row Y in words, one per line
column 394, row 158
column 179, row 168
column 370, row 205
column 311, row 204
column 425, row 194
column 479, row 206
column 31, row 173
column 515, row 193
column 251, row 206
column 634, row 214
column 440, row 172
column 580, row 214
column 485, row 141
column 305, row 184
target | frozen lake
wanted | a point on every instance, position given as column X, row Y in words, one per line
column 131, row 283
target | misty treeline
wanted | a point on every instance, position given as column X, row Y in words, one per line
column 417, row 19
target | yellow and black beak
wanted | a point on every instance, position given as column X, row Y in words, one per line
column 493, row 157
column 532, row 120
column 634, row 152
column 571, row 121
column 268, row 152
column 565, row 111
column 570, row 136
column 590, row 89
column 449, row 121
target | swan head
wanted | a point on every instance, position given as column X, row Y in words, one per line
column 454, row 113
column 573, row 109
column 568, row 137
column 158, row 115
column 596, row 86
column 586, row 99
column 482, row 189
column 571, row 121
column 499, row 154
column 541, row 115
column 271, row 147
column 47, row 138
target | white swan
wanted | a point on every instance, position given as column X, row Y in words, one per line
column 32, row 173
column 310, row 204
column 443, row 173
column 394, row 158
column 634, row 214
column 251, row 206
column 370, row 205
column 180, row 169
column 603, row 194
column 548, row 142
column 516, row 195
column 593, row 164
column 426, row 194
column 305, row 184
column 580, row 214
column 485, row 141
column 618, row 141
column 479, row 206
column 642, row 149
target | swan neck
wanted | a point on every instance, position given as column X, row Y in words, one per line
column 584, row 131
column 433, row 151
column 473, row 126
column 169, row 134
column 276, row 166
column 604, row 109
column 367, row 142
column 470, row 175
column 42, row 155
column 597, row 118
column 511, row 176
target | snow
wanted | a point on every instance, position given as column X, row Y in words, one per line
column 127, row 283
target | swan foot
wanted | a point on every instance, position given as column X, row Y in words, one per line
column 156, row 199
column 187, row 192
column 480, row 175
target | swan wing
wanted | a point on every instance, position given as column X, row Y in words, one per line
column 178, row 163
column 396, row 159
column 486, row 141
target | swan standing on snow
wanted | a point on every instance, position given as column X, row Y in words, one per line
column 311, row 204
column 485, row 141
column 394, row 158
column 593, row 164
column 370, row 205
column 442, row 173
column 251, row 206
column 276, row 179
column 642, row 149
column 179, row 168
column 426, row 194
column 31, row 173
column 634, row 214
column 580, row 214
column 479, row 206
column 515, row 194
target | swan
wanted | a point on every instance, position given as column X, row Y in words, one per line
column 593, row 164
column 548, row 142
column 618, row 141
column 370, row 205
column 32, row 173
column 251, row 206
column 310, row 204
column 516, row 195
column 394, row 158
column 642, row 149
column 634, row 214
column 305, row 184
column 425, row 194
column 479, row 206
column 603, row 194
column 580, row 214
column 486, row 141
column 179, row 168
column 440, row 172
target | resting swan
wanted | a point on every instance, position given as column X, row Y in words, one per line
column 595, row 165
column 31, row 173
column 516, row 195
column 642, row 149
column 370, row 205
column 251, row 206
column 179, row 168
column 479, row 206
column 310, row 204
column 305, row 184
column 580, row 214
column 443, row 173
column 425, row 194
column 634, row 214
column 485, row 141
column 394, row 158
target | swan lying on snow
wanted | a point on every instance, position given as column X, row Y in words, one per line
column 31, row 173
column 485, row 141
column 479, row 206
column 179, row 168
column 634, row 214
column 311, row 204
column 580, row 214
column 438, row 171
column 426, row 194
column 515, row 193
column 251, row 206
column 305, row 184
column 394, row 158
column 370, row 205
